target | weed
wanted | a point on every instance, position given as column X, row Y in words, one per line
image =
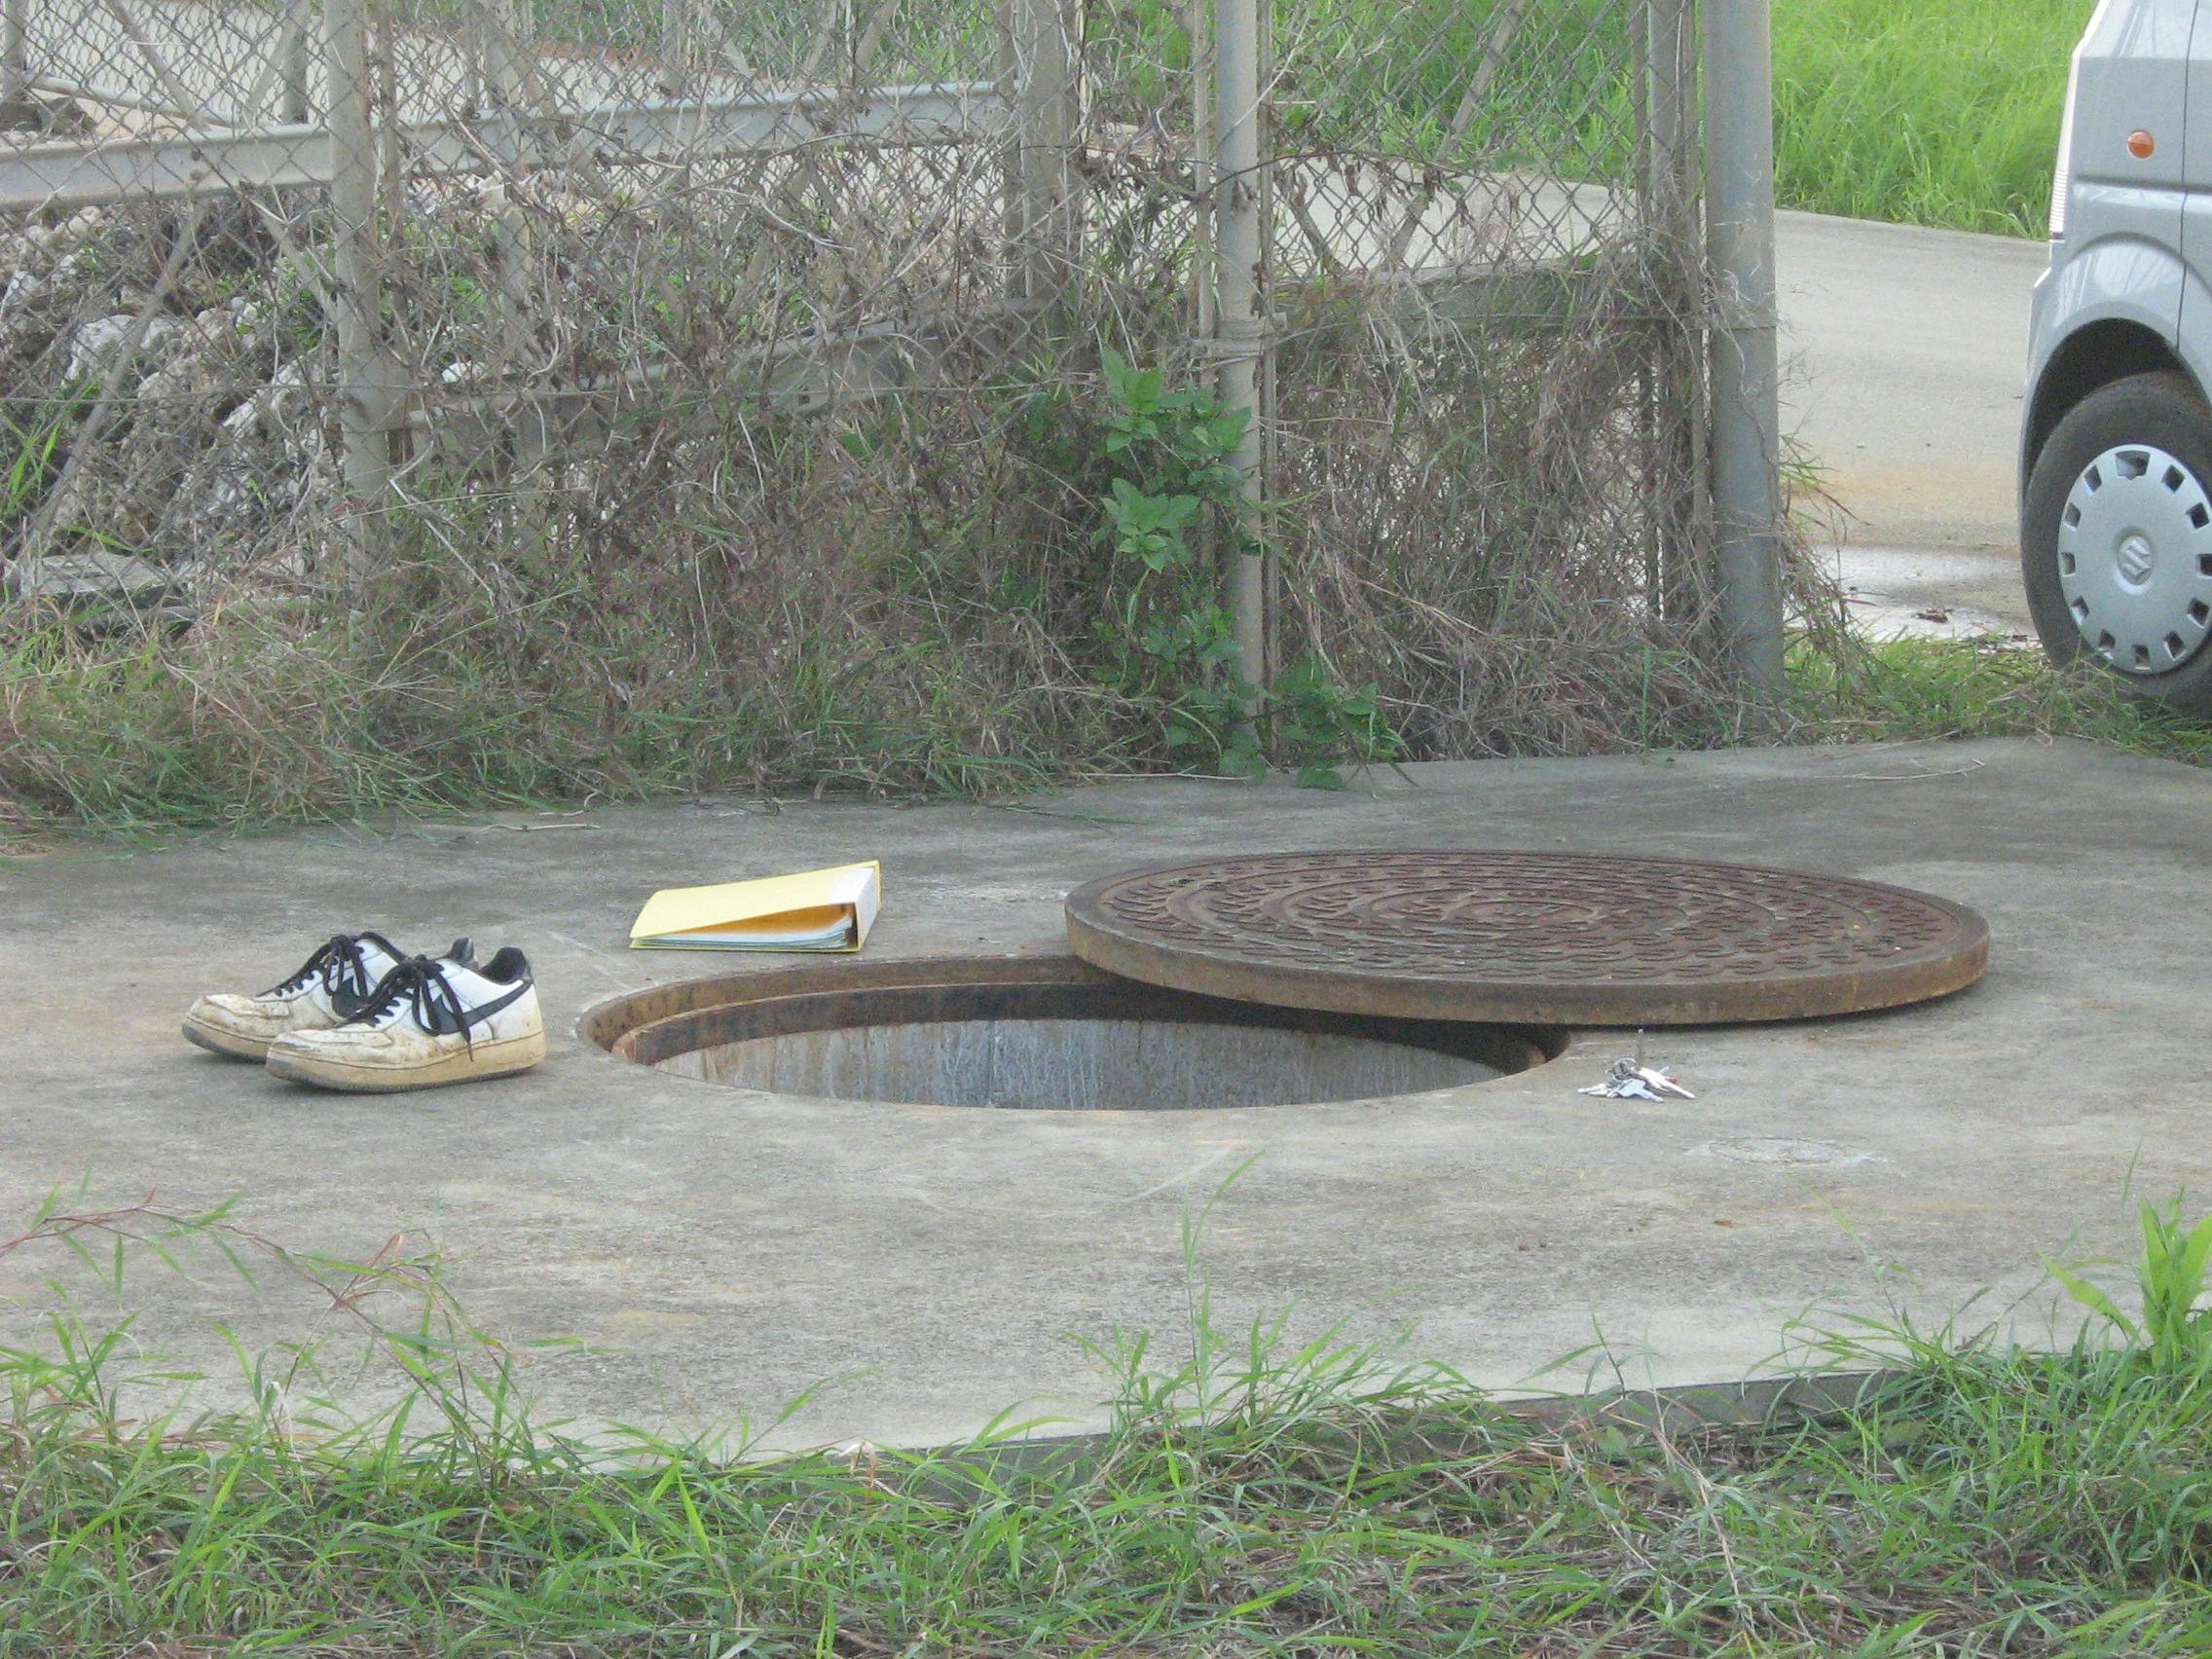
column 34, row 444
column 1171, row 642
column 1909, row 690
column 2175, row 1332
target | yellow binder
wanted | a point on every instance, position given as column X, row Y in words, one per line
column 819, row 909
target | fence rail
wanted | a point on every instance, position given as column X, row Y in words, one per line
column 219, row 160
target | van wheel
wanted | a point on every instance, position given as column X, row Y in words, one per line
column 2116, row 539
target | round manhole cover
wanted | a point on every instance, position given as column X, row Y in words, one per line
column 1551, row 937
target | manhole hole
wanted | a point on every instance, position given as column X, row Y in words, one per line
column 1551, row 937
column 1046, row 1033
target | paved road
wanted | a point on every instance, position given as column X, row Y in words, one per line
column 1904, row 356
column 1905, row 351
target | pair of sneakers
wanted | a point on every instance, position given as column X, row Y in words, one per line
column 362, row 1014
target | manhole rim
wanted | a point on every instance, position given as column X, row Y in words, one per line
column 668, row 1009
column 1648, row 1002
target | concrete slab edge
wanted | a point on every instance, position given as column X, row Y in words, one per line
column 1655, row 1414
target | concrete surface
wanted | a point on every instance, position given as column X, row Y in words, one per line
column 1905, row 353
column 719, row 1251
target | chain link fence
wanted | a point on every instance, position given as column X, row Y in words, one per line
column 733, row 367
column 1486, row 292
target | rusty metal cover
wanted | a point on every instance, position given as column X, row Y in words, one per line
column 1528, row 937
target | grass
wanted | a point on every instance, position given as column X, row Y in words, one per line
column 1931, row 691
column 1259, row 1501
column 1926, row 112
column 262, row 726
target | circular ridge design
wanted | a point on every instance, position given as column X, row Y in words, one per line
column 1542, row 936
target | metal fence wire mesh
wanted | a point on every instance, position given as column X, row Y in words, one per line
column 1487, row 289
column 742, row 356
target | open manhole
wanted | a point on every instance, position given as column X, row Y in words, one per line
column 1047, row 1033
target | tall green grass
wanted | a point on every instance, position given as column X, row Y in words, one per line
column 1931, row 112
column 1926, row 112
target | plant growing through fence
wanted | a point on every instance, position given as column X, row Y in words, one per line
column 1170, row 640
column 33, row 448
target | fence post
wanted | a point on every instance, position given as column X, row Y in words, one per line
column 1240, row 236
column 1678, row 403
column 1199, row 21
column 676, row 48
column 364, row 390
column 1747, row 424
column 1045, row 38
column 1671, row 70
column 292, row 64
column 16, row 50
column 509, row 27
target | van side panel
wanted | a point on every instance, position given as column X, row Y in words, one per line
column 2122, row 259
column 2134, row 74
column 2196, row 335
column 2131, row 279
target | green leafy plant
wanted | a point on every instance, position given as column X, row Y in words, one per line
column 1316, row 722
column 1170, row 639
column 2175, row 1332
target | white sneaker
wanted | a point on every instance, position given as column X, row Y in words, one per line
column 426, row 1023
column 331, row 987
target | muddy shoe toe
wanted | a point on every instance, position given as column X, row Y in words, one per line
column 329, row 988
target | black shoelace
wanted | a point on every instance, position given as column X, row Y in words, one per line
column 342, row 969
column 432, row 1003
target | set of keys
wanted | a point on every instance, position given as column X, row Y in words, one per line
column 1633, row 1079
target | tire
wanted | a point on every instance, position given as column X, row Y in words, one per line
column 2116, row 539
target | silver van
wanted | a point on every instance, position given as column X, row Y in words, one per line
column 2115, row 521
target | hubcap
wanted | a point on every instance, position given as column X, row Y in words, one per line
column 2135, row 560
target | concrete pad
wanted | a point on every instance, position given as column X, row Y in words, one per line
column 722, row 1250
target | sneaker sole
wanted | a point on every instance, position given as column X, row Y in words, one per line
column 491, row 1059
column 228, row 1043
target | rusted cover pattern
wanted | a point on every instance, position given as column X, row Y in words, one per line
column 1528, row 937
